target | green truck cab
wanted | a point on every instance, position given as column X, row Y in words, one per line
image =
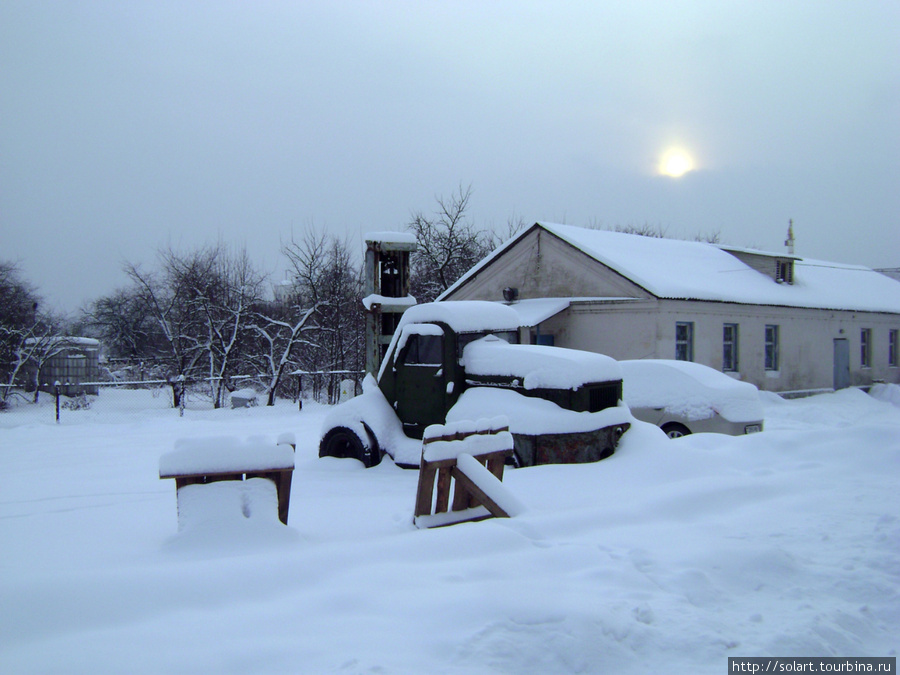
column 452, row 361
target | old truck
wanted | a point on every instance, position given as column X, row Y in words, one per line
column 453, row 361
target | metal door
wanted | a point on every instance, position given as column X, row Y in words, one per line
column 422, row 381
column 841, row 363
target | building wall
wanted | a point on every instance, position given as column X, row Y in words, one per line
column 73, row 365
column 543, row 266
column 806, row 338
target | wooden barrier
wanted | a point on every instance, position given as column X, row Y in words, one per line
column 460, row 474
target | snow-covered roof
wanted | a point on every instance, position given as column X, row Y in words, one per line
column 690, row 270
column 464, row 315
column 404, row 239
column 534, row 311
column 66, row 341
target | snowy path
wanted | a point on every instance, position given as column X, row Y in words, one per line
column 670, row 555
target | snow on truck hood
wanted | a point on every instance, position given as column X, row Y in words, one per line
column 538, row 366
column 688, row 389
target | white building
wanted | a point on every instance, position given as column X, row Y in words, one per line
column 782, row 322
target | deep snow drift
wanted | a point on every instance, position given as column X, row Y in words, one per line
column 670, row 556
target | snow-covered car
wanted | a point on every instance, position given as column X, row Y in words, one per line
column 453, row 361
column 682, row 397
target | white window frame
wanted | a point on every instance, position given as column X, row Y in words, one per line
column 773, row 348
column 865, row 348
column 892, row 347
column 684, row 347
column 732, row 365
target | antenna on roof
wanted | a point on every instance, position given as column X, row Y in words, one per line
column 789, row 242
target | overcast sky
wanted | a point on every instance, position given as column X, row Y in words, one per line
column 127, row 126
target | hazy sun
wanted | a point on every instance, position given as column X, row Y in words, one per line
column 675, row 163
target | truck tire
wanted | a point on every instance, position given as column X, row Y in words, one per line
column 341, row 442
column 675, row 430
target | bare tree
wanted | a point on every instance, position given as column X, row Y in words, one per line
column 280, row 338
column 328, row 281
column 228, row 300
column 124, row 323
column 166, row 296
column 514, row 225
column 28, row 336
column 448, row 245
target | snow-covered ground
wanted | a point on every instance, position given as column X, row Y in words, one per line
column 670, row 556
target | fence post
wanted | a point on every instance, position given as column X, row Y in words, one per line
column 56, row 392
column 181, row 383
column 299, row 392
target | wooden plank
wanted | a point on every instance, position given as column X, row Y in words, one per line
column 462, row 435
column 282, row 481
column 225, row 475
column 496, row 462
column 453, row 517
column 425, row 490
column 462, row 499
column 443, row 489
column 479, row 494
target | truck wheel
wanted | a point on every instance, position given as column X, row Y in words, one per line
column 675, row 430
column 341, row 442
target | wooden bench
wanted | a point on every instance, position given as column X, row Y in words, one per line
column 464, row 460
column 208, row 460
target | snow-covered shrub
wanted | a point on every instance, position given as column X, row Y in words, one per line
column 80, row 402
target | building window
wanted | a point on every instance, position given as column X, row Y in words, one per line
column 730, row 347
column 772, row 347
column 684, row 341
column 784, row 271
column 865, row 348
column 892, row 347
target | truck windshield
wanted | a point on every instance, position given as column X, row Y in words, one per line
column 423, row 350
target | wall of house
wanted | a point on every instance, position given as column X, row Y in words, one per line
column 543, row 266
column 646, row 329
column 623, row 330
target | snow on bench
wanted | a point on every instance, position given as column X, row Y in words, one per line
column 201, row 461
column 244, row 398
column 465, row 459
